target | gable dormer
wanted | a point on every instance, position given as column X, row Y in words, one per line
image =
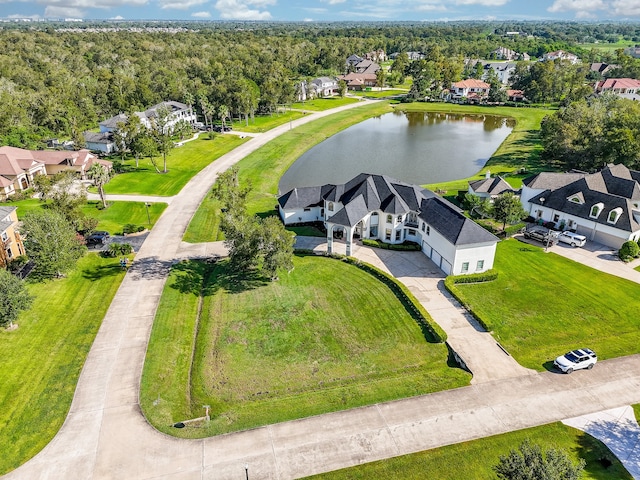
column 576, row 198
column 614, row 215
column 596, row 210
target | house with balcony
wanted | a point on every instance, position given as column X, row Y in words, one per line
column 11, row 242
column 382, row 208
column 603, row 206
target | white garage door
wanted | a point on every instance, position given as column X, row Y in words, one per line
column 426, row 249
column 436, row 257
column 446, row 267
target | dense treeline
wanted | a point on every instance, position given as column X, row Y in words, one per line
column 59, row 82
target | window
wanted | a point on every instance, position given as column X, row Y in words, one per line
column 556, row 217
column 465, row 267
column 412, row 231
column 389, row 219
column 4, row 236
column 423, row 224
column 428, row 230
column 307, row 209
column 595, row 210
column 480, row 265
column 373, row 231
column 399, row 218
column 614, row 215
column 539, row 213
column 374, row 218
column 330, row 206
column 387, row 234
column 9, row 253
column 398, row 234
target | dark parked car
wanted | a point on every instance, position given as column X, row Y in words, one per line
column 220, row 128
column 97, row 238
column 542, row 235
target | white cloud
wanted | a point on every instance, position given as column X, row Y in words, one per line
column 53, row 11
column 307, row 19
column 334, row 2
column 244, row 9
column 201, row 15
column 117, row 17
column 579, row 6
column 18, row 16
column 315, row 10
column 180, row 4
column 627, row 8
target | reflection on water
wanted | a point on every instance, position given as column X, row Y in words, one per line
column 416, row 147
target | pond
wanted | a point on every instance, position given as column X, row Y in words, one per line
column 415, row 147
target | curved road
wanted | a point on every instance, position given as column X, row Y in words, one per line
column 105, row 436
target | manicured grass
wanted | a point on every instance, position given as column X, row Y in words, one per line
column 319, row 104
column 182, row 164
column 475, row 459
column 205, row 223
column 267, row 352
column 111, row 219
column 608, row 47
column 263, row 123
column 380, row 93
column 118, row 214
column 264, row 167
column 543, row 305
column 42, row 359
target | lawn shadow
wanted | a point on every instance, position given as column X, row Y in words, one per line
column 102, row 271
column 602, row 463
column 204, row 278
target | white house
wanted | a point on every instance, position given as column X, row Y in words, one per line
column 503, row 71
column 560, row 55
column 489, row 188
column 325, row 86
column 603, row 206
column 470, row 87
column 100, row 142
column 177, row 112
column 382, row 208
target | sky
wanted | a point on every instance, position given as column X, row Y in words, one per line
column 324, row 10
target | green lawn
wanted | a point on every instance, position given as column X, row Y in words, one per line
column 268, row 352
column 380, row 93
column 264, row 167
column 42, row 359
column 543, row 305
column 262, row 123
column 320, row 104
column 475, row 459
column 182, row 164
column 111, row 219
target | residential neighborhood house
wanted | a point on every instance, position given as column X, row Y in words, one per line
column 503, row 53
column 470, row 88
column 623, row 87
column 11, row 242
column 560, row 55
column 489, row 188
column 102, row 142
column 603, row 206
column 18, row 167
column 382, row 208
column 325, row 86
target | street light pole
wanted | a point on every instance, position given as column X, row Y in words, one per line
column 246, row 470
column 146, row 204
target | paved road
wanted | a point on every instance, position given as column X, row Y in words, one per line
column 105, row 436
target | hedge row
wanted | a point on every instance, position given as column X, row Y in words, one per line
column 432, row 332
column 451, row 282
column 407, row 246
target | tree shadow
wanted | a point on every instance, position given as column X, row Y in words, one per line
column 150, row 267
column 602, row 463
column 205, row 278
column 102, row 271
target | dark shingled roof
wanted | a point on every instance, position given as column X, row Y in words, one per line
column 366, row 193
column 614, row 187
column 551, row 181
column 492, row 186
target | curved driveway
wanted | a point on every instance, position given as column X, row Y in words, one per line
column 105, row 436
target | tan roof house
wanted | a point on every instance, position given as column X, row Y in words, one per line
column 18, row 166
column 10, row 239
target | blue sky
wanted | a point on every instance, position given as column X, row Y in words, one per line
column 324, row 10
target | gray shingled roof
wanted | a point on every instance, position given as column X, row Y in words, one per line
column 4, row 213
column 614, row 187
column 366, row 193
column 551, row 181
column 492, row 186
column 95, row 137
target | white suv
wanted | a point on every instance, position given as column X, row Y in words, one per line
column 576, row 360
column 572, row 239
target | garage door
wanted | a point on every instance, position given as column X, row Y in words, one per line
column 608, row 240
column 426, row 249
column 436, row 257
column 446, row 267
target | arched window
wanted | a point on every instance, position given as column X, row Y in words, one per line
column 595, row 210
column 614, row 215
column 330, row 206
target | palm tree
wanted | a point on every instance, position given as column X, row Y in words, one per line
column 100, row 175
column 223, row 113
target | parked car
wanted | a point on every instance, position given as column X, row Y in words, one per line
column 97, row 238
column 576, row 360
column 220, row 128
column 573, row 239
column 540, row 234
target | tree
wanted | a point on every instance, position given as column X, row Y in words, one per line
column 129, row 134
column 380, row 78
column 530, row 463
column 400, row 65
column 62, row 196
column 223, row 114
column 342, row 88
column 507, row 208
column 51, row 242
column 228, row 191
column 276, row 247
column 100, row 175
column 161, row 133
column 496, row 92
column 14, row 298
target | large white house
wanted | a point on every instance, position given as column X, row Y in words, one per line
column 382, row 208
column 177, row 112
column 602, row 206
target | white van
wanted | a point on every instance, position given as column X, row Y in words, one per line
column 572, row 239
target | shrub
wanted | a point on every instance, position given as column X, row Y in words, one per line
column 131, row 228
column 403, row 247
column 628, row 251
column 118, row 249
column 140, row 228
